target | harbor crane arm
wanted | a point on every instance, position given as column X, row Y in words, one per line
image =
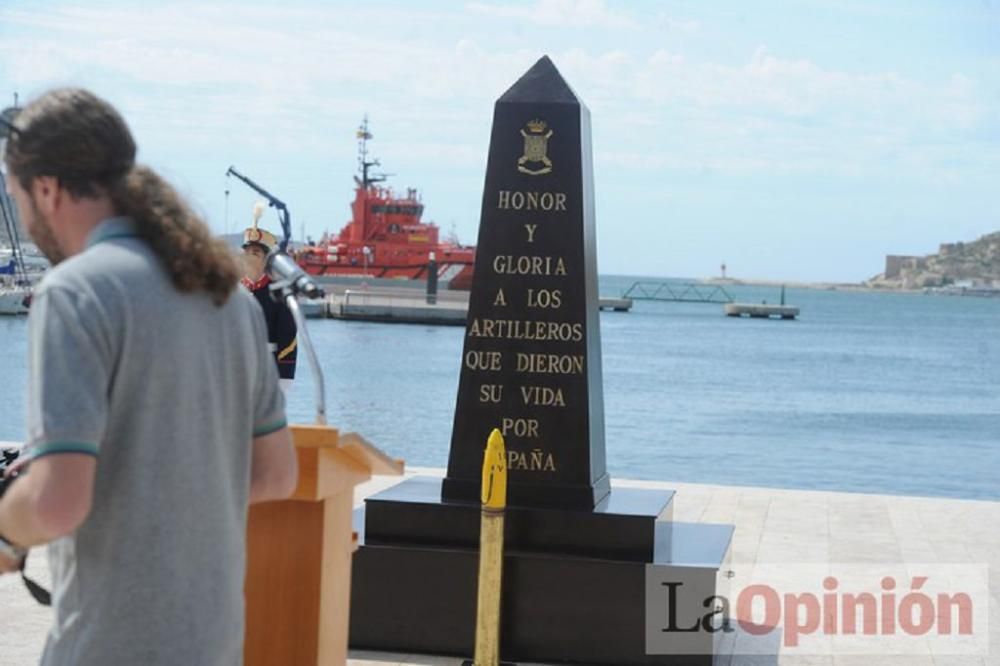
column 273, row 201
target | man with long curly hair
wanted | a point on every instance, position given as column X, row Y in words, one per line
column 154, row 415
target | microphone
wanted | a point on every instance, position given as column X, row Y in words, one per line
column 283, row 269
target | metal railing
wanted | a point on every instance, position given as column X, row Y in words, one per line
column 679, row 292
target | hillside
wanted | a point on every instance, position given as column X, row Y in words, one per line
column 973, row 264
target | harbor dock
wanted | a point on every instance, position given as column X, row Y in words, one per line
column 399, row 305
column 616, row 304
column 760, row 310
column 773, row 526
column 407, row 305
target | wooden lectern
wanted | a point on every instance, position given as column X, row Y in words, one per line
column 298, row 582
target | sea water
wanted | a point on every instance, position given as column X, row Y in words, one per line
column 867, row 392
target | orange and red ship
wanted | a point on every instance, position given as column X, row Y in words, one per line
column 385, row 237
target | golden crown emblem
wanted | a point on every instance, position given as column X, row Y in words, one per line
column 536, row 126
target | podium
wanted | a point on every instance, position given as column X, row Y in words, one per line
column 298, row 579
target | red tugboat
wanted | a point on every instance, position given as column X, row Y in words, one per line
column 385, row 237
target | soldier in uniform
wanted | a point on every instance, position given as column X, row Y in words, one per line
column 281, row 332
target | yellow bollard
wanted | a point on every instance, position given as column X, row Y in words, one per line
column 494, row 499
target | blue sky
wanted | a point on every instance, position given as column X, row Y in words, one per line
column 792, row 140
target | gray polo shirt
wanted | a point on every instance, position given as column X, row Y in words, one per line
column 167, row 391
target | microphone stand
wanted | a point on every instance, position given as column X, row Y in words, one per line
column 287, row 289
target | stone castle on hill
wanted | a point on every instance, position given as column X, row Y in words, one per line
column 974, row 264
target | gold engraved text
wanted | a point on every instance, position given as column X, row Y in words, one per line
column 544, row 201
column 490, row 392
column 483, row 360
column 555, row 364
column 544, row 298
column 508, row 264
column 542, row 396
column 519, row 329
column 519, row 427
column 534, row 461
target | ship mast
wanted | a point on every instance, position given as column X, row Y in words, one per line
column 8, row 210
column 367, row 178
column 363, row 163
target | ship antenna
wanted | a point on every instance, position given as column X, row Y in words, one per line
column 364, row 164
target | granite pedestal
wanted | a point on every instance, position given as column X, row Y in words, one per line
column 579, row 587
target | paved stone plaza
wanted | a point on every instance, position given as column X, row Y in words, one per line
column 800, row 528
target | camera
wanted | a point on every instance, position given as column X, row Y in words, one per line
column 7, row 458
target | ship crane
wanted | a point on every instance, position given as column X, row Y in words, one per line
column 283, row 215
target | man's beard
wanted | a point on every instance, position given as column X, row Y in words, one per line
column 41, row 233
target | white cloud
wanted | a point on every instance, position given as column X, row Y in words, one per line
column 561, row 13
column 672, row 24
column 768, row 114
column 261, row 72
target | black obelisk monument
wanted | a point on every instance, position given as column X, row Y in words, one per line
column 589, row 575
column 531, row 364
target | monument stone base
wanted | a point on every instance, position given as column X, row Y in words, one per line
column 578, row 586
